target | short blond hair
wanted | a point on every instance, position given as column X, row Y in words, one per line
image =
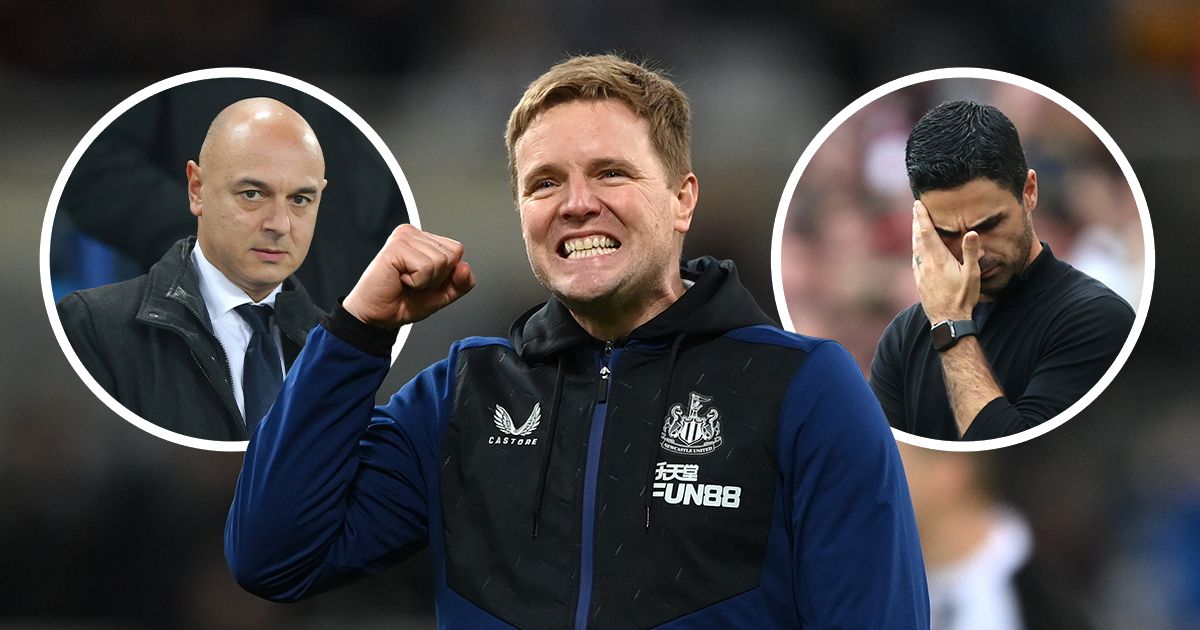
column 649, row 93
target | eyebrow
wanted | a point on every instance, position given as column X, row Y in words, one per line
column 985, row 224
column 599, row 164
column 602, row 164
column 253, row 183
column 256, row 183
column 538, row 172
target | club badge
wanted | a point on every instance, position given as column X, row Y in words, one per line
column 695, row 432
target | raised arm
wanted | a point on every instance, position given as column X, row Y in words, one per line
column 331, row 488
column 949, row 290
column 1084, row 343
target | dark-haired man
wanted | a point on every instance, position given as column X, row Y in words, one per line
column 1006, row 335
column 647, row 450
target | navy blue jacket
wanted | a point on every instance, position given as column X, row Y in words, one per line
column 709, row 471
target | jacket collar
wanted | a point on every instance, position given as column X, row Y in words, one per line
column 1040, row 275
column 173, row 298
column 716, row 303
column 221, row 295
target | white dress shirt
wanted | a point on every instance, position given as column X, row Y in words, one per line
column 220, row 298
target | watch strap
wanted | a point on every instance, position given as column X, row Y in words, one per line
column 947, row 333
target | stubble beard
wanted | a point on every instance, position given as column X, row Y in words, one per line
column 1017, row 265
column 625, row 294
column 587, row 302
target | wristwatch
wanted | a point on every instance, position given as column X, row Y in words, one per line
column 947, row 333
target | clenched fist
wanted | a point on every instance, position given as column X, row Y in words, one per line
column 415, row 275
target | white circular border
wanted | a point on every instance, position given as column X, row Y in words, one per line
column 101, row 125
column 1079, row 113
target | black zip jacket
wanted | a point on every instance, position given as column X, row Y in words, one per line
column 149, row 343
column 709, row 471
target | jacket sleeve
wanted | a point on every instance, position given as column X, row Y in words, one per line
column 78, row 324
column 331, row 489
column 1081, row 349
column 857, row 558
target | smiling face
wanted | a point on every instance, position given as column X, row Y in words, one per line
column 255, row 194
column 603, row 224
column 1004, row 224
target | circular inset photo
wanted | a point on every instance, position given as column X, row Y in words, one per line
column 980, row 245
column 198, row 232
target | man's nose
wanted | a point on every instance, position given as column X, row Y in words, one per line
column 277, row 218
column 581, row 201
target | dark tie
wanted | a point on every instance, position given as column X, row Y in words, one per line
column 261, row 373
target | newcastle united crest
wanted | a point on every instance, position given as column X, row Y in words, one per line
column 695, row 432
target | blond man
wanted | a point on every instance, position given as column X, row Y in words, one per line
column 648, row 449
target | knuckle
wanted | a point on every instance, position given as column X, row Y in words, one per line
column 404, row 231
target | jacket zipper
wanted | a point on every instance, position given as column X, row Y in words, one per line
column 224, row 357
column 203, row 371
column 607, row 358
column 602, row 384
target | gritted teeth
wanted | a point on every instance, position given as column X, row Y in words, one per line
column 588, row 246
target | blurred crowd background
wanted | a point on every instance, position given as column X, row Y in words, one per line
column 103, row 526
column 846, row 247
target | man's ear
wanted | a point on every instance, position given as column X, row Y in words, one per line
column 687, row 195
column 194, row 177
column 1029, row 194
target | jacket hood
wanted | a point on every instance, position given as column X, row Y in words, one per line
column 716, row 302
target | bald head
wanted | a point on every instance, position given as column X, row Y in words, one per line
column 248, row 119
column 255, row 193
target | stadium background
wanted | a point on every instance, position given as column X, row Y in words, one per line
column 105, row 526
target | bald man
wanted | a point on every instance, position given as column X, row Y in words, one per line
column 199, row 344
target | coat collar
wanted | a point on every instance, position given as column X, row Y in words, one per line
column 1040, row 275
column 173, row 298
